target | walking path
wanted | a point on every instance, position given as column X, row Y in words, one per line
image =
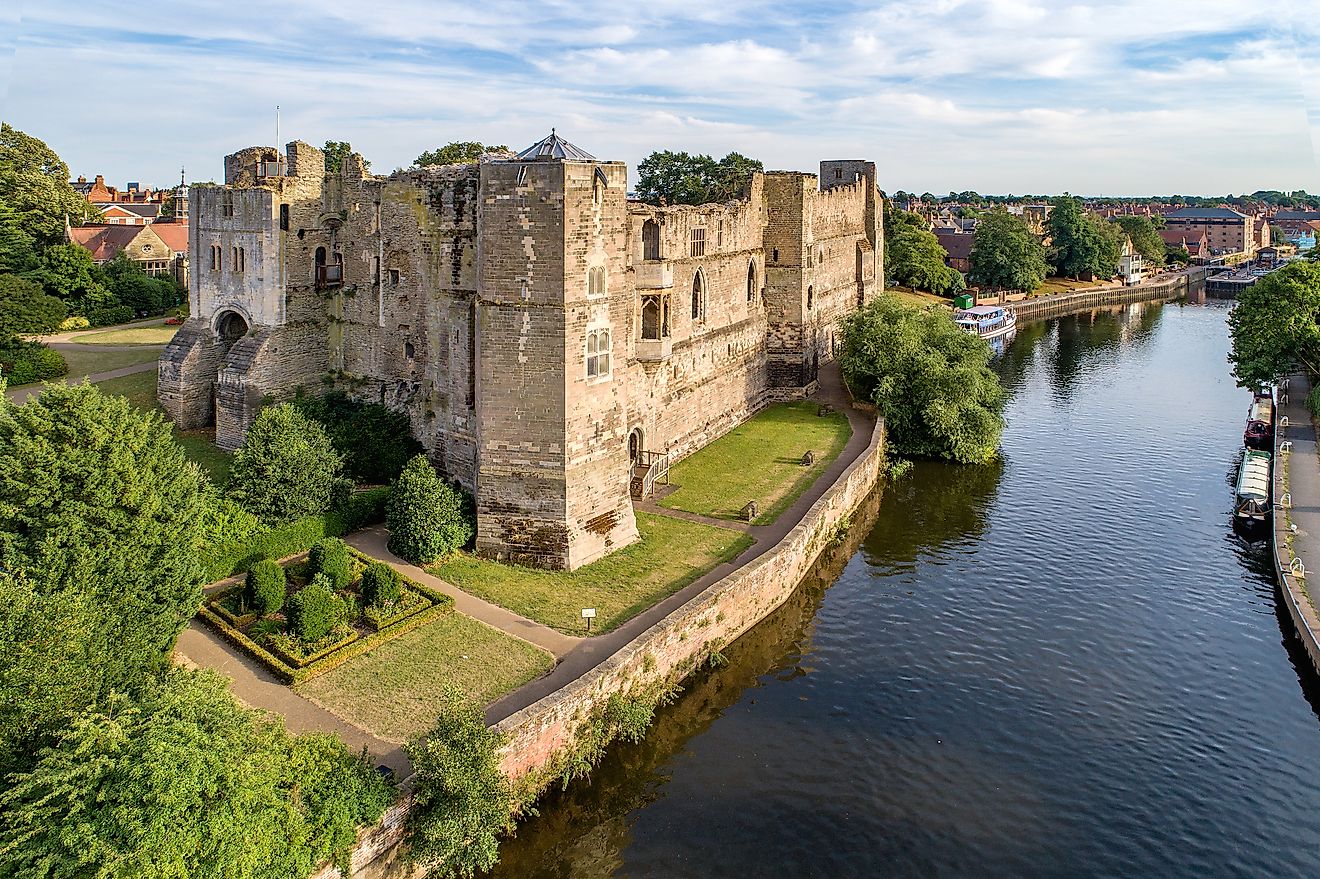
column 1303, row 472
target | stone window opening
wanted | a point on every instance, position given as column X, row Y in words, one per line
column 838, row 173
column 598, row 354
column 375, row 270
column 751, row 281
column 284, row 218
column 697, row 242
column 655, row 317
column 596, row 281
column 238, row 257
column 698, row 297
column 409, row 351
column 215, row 257
column 650, row 240
column 329, row 274
column 227, row 203
column 395, row 277
column 775, row 255
column 811, row 297
column 719, row 235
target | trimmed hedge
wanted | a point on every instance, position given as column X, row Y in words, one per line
column 330, row 557
column 243, row 642
column 266, row 587
column 408, row 603
column 381, row 584
column 226, row 559
column 298, row 660
column 314, row 611
column 108, row 317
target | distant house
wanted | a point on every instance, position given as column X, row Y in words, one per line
column 1130, row 264
column 159, row 248
column 1227, row 230
column 125, row 214
column 1295, row 224
column 1196, row 244
column 958, row 244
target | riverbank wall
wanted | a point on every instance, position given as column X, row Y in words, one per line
column 1080, row 300
column 1297, row 434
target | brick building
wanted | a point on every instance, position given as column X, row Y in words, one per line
column 547, row 337
column 1227, row 230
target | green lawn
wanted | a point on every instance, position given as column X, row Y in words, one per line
column 85, row 363
column 140, row 389
column 671, row 554
column 1062, row 285
column 395, row 690
column 159, row 335
column 759, row 460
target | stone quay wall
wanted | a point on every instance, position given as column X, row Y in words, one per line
column 1067, row 303
column 541, row 732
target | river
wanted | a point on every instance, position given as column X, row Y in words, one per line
column 1064, row 664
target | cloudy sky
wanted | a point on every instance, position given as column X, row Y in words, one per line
column 998, row 96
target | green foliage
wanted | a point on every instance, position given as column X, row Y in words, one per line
column 374, row 441
column 265, row 587
column 109, row 316
column 330, row 557
column 286, row 467
column 27, row 362
column 24, row 308
column 34, row 184
column 75, row 323
column 930, row 380
column 315, row 610
column 224, row 521
column 462, row 801
column 99, row 523
column 1081, row 243
column 134, row 288
column 381, row 584
column 1005, row 255
column 67, row 271
column 457, row 152
column 1178, row 255
column 336, row 151
column 667, row 177
column 914, row 258
column 1145, row 237
column 1274, row 325
column 18, row 251
column 427, row 518
column 180, row 781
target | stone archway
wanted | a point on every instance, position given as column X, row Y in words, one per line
column 230, row 326
column 635, row 447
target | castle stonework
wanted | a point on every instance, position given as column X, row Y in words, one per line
column 548, row 337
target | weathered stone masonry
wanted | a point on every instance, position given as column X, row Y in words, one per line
column 543, row 332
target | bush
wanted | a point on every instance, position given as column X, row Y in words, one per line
column 427, row 518
column 330, row 557
column 314, row 610
column 224, row 521
column 375, row 441
column 75, row 323
column 26, row 362
column 109, row 316
column 286, row 467
column 381, row 584
column 25, row 308
column 265, row 587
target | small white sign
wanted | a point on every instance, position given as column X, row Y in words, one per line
column 588, row 613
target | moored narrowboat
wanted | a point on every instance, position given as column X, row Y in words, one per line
column 1259, row 433
column 1251, row 508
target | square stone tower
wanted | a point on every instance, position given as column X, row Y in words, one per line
column 553, row 311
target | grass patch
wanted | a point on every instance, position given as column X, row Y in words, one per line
column 919, row 298
column 199, row 445
column 1052, row 286
column 396, row 691
column 159, row 335
column 671, row 554
column 83, row 363
column 759, row 460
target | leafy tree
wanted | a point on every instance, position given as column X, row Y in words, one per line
column 18, row 253
column 99, row 524
column 1178, row 255
column 682, row 178
column 67, row 271
column 1005, row 255
column 916, row 259
column 34, row 183
column 1145, row 237
column 456, row 153
column 1274, row 325
column 375, row 441
column 131, row 286
column 24, row 308
column 27, row 362
column 930, row 380
column 180, row 781
column 462, row 801
column 336, row 152
column 315, row 610
column 265, row 587
column 897, row 219
column 286, row 467
column 427, row 517
column 1080, row 243
column 1277, row 235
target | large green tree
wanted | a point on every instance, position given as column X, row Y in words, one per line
column 1080, row 243
column 426, row 516
column 286, row 467
column 336, row 151
column 34, row 183
column 99, row 523
column 684, row 178
column 1145, row 235
column 1274, row 325
column 179, row 781
column 914, row 258
column 68, row 271
column 1005, row 255
column 456, row 152
column 929, row 380
column 18, row 252
column 25, row 308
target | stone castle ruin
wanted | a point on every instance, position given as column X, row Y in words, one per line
column 551, row 340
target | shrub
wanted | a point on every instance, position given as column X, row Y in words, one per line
column 27, row 362
column 26, row 308
column 381, row 584
column 224, row 521
column 375, row 441
column 314, row 610
column 265, row 587
column 285, row 468
column 109, row 316
column 427, row 518
column 75, row 323
column 330, row 557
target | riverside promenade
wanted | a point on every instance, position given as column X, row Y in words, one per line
column 1295, row 533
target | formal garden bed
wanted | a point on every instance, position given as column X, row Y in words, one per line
column 761, row 461
column 306, row 617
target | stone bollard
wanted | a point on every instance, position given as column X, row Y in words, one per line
column 808, row 458
column 750, row 512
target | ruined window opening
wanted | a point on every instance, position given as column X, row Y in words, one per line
column 751, row 281
column 719, row 235
column 375, row 270
column 811, row 297
column 650, row 240
column 239, row 260
column 522, row 175
column 775, row 257
column 227, row 203
column 598, row 353
column 655, row 317
column 838, row 173
column 284, row 217
column 697, row 245
column 698, row 298
column 394, row 277
column 215, row 257
column 596, row 281
column 409, row 351
column 329, row 275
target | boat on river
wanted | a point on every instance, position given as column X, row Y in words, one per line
column 987, row 321
column 1259, row 433
column 1251, row 508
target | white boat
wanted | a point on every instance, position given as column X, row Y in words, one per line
column 987, row 321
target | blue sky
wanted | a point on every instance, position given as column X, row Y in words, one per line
column 994, row 95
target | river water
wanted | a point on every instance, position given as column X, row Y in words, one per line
column 1065, row 664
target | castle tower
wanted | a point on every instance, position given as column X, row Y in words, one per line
column 553, row 313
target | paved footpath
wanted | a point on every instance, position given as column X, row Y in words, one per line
column 1303, row 472
column 21, row 395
